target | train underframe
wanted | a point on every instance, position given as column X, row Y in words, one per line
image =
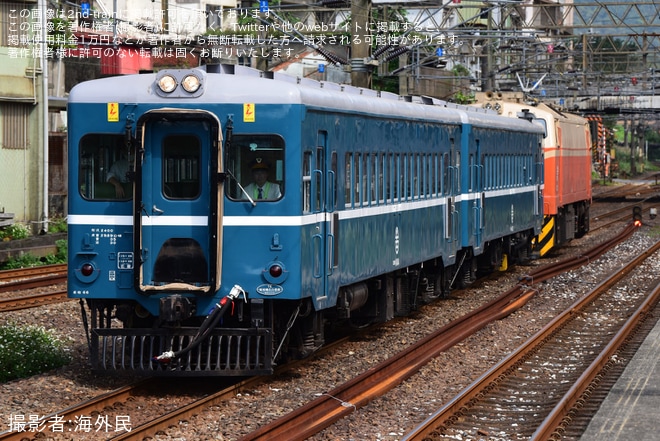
column 254, row 336
column 572, row 222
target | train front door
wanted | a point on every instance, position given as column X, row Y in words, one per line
column 320, row 194
column 176, row 202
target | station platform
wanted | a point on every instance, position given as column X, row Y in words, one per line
column 631, row 410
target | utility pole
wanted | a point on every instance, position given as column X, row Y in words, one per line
column 633, row 146
column 166, row 16
column 360, row 49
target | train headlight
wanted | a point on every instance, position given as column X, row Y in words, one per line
column 275, row 272
column 167, row 83
column 190, row 83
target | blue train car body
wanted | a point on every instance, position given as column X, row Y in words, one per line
column 373, row 205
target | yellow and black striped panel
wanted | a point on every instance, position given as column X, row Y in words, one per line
column 546, row 239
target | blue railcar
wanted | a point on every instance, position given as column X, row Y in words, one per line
column 373, row 205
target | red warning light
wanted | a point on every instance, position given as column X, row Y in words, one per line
column 637, row 216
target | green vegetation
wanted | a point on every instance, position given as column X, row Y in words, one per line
column 14, row 232
column 29, row 350
column 622, row 150
column 462, row 98
column 655, row 232
column 28, row 260
column 57, row 225
column 19, row 231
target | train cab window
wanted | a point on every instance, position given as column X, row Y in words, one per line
column 181, row 167
column 255, row 165
column 105, row 168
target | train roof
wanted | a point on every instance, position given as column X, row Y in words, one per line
column 238, row 84
column 511, row 107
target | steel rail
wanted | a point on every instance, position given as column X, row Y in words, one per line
column 498, row 308
column 549, row 271
column 12, row 274
column 84, row 408
column 320, row 413
column 460, row 404
column 17, row 303
column 29, row 278
column 553, row 426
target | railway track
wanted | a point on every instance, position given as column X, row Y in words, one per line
column 613, row 217
column 145, row 429
column 115, row 403
column 69, row 417
column 536, row 391
column 343, row 400
column 29, row 278
column 349, row 396
column 33, row 300
column 628, row 191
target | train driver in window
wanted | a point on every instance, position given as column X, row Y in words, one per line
column 261, row 188
column 118, row 174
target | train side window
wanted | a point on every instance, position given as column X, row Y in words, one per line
column 514, row 170
column 405, row 176
column 382, row 170
column 373, row 183
column 105, row 168
column 256, row 167
column 424, row 176
column 445, row 174
column 398, row 179
column 434, row 175
column 410, row 182
column 349, row 184
column 487, row 165
column 493, row 171
column 318, row 188
column 457, row 181
column 364, row 180
column 414, row 171
column 359, row 180
column 307, row 181
column 513, row 176
column 515, row 173
column 428, row 159
column 389, row 179
column 419, row 174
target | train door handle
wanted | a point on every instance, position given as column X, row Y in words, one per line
column 156, row 210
